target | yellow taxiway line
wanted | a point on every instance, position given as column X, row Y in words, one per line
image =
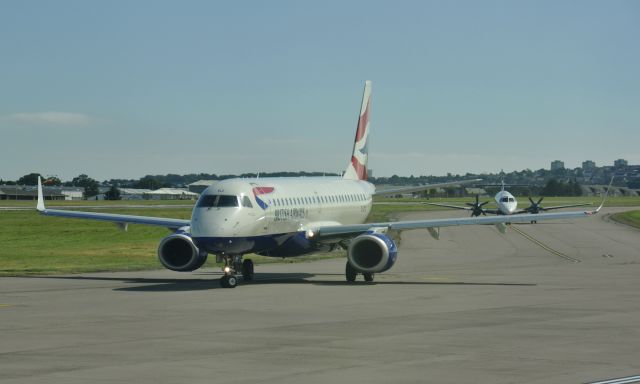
column 544, row 246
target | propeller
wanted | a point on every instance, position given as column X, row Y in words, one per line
column 476, row 208
column 535, row 207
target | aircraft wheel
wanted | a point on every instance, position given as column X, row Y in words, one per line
column 368, row 276
column 350, row 273
column 232, row 281
column 228, row 281
column 247, row 269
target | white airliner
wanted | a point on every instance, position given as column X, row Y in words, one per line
column 507, row 205
column 286, row 217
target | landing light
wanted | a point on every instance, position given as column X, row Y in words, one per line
column 227, row 269
column 310, row 233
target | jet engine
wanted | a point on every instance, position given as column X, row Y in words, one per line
column 372, row 253
column 177, row 252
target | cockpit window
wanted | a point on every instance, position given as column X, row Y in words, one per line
column 246, row 202
column 217, row 201
column 511, row 200
column 504, row 199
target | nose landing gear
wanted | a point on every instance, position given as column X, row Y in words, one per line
column 233, row 264
column 228, row 281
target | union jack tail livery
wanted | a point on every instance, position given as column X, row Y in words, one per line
column 357, row 168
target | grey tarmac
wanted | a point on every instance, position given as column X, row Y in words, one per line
column 475, row 306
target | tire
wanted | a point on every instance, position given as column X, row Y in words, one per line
column 247, row 269
column 232, row 281
column 350, row 273
column 368, row 276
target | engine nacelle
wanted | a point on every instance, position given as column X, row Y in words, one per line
column 177, row 252
column 372, row 253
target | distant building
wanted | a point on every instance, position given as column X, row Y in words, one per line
column 21, row 192
column 70, row 193
column 476, row 191
column 620, row 163
column 134, row 193
column 557, row 164
column 588, row 165
column 173, row 194
column 158, row 194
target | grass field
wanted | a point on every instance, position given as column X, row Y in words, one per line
column 630, row 218
column 93, row 203
column 35, row 244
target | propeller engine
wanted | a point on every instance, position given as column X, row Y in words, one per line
column 535, row 207
column 476, row 208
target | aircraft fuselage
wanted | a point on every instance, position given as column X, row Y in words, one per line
column 270, row 215
column 506, row 203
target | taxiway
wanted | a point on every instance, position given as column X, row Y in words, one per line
column 475, row 306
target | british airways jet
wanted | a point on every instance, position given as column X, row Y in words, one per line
column 506, row 205
column 288, row 217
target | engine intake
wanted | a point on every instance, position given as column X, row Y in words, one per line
column 177, row 252
column 372, row 252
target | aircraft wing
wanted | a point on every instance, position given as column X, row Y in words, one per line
column 450, row 206
column 487, row 210
column 555, row 207
column 348, row 231
column 121, row 220
column 419, row 188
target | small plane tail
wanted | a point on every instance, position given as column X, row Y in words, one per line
column 357, row 168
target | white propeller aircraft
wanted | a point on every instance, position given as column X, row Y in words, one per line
column 286, row 217
column 506, row 205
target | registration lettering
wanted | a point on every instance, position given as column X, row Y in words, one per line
column 285, row 214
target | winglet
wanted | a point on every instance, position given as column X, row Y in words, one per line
column 604, row 198
column 40, row 207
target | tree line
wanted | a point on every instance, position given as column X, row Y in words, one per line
column 553, row 187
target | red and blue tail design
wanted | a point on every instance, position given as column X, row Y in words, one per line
column 259, row 191
column 357, row 168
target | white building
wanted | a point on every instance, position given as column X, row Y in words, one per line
column 173, row 194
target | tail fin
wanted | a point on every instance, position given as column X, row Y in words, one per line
column 357, row 168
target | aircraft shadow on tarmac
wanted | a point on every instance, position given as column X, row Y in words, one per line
column 200, row 284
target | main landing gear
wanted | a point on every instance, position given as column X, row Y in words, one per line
column 233, row 265
column 351, row 274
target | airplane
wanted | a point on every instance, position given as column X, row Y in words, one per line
column 507, row 205
column 289, row 217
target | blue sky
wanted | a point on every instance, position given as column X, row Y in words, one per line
column 128, row 88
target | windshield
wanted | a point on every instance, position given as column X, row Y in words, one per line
column 217, row 201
